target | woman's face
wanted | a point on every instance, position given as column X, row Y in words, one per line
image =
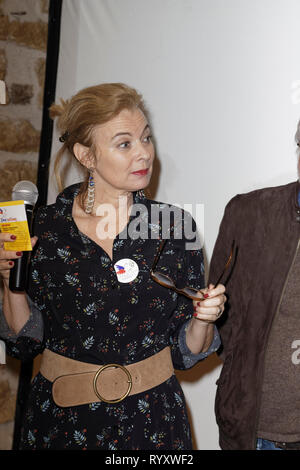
column 124, row 152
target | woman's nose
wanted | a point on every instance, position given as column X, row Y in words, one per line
column 142, row 152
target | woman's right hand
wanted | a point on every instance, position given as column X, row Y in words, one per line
column 7, row 257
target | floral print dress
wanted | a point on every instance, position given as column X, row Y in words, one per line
column 88, row 315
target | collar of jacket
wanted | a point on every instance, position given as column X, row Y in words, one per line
column 297, row 201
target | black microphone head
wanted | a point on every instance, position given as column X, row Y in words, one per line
column 25, row 191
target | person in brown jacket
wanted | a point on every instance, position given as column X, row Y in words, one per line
column 258, row 395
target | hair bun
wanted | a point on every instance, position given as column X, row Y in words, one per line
column 57, row 110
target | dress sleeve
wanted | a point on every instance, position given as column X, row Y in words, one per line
column 28, row 343
column 188, row 358
column 193, row 263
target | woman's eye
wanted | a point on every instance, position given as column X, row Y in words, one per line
column 148, row 138
column 124, row 145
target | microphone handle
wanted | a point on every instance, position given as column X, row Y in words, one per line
column 18, row 273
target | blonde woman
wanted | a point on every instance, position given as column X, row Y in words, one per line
column 112, row 309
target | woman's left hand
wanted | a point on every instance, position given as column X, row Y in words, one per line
column 211, row 307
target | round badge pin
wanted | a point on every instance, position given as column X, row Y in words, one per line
column 126, row 270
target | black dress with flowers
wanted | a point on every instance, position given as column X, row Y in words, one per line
column 88, row 315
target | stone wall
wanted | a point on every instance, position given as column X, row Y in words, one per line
column 23, row 42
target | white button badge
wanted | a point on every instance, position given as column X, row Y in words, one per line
column 126, row 269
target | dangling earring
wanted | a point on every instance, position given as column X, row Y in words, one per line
column 141, row 194
column 90, row 194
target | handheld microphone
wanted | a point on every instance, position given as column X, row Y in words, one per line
column 27, row 192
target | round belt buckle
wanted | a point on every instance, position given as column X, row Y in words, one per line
column 129, row 380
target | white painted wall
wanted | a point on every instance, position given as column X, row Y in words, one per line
column 220, row 78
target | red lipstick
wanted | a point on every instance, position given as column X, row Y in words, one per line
column 141, row 172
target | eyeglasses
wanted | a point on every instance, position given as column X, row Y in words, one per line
column 228, row 262
column 165, row 281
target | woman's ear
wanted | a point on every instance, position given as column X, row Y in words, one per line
column 83, row 155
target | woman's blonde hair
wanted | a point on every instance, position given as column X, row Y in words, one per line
column 77, row 117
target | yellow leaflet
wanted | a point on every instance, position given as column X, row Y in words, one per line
column 13, row 220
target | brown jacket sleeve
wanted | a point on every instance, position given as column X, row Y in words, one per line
column 220, row 256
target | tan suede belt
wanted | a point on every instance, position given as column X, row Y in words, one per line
column 78, row 383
